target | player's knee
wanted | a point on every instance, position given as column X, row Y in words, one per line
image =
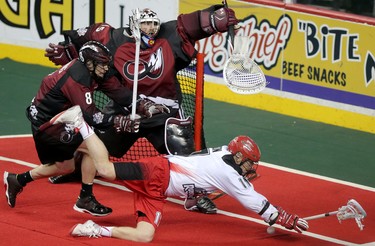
column 106, row 171
column 145, row 232
column 146, row 237
column 65, row 167
column 102, row 172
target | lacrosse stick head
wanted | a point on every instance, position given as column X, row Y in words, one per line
column 134, row 24
column 241, row 74
column 353, row 210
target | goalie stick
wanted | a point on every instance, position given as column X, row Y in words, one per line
column 136, row 33
column 230, row 28
column 241, row 74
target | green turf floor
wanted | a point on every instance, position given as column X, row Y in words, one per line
column 286, row 141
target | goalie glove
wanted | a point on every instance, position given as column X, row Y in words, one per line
column 289, row 221
column 206, row 205
column 148, row 108
column 62, row 53
column 124, row 123
column 200, row 202
column 217, row 19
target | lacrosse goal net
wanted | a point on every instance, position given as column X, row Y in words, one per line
column 191, row 81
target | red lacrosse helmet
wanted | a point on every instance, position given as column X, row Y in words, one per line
column 249, row 151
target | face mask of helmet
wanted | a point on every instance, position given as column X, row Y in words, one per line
column 149, row 26
column 246, row 154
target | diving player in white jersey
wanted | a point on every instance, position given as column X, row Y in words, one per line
column 153, row 179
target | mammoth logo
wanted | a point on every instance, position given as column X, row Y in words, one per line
column 67, row 135
column 152, row 69
column 369, row 68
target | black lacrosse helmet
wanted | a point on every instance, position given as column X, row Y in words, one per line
column 95, row 51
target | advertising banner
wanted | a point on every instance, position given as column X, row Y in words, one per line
column 35, row 23
column 320, row 65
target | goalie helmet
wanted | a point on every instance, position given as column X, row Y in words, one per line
column 149, row 26
column 96, row 52
column 246, row 152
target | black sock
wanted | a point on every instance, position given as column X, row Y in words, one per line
column 24, row 178
column 86, row 190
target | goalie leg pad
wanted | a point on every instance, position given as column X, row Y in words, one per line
column 179, row 137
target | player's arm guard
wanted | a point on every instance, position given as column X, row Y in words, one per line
column 203, row 23
column 62, row 53
column 289, row 221
column 179, row 137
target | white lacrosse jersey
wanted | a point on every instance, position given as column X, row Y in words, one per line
column 208, row 171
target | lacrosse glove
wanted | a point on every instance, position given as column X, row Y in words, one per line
column 61, row 54
column 147, row 108
column 124, row 123
column 289, row 221
column 217, row 18
column 200, row 202
column 206, row 205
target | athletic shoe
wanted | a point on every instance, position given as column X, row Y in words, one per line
column 88, row 229
column 12, row 188
column 92, row 206
column 71, row 116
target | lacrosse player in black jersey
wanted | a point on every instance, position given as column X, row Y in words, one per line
column 73, row 84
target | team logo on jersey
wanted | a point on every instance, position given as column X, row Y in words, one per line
column 67, row 135
column 33, row 112
column 153, row 68
column 81, row 31
column 192, row 192
column 98, row 117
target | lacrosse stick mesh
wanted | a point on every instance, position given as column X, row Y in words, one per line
column 134, row 24
column 243, row 76
column 353, row 210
